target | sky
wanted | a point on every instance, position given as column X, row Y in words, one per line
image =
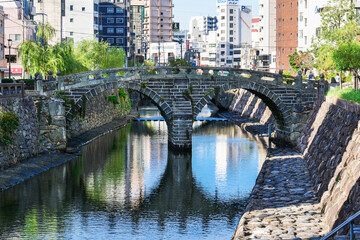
column 184, row 9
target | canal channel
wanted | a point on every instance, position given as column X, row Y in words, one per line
column 129, row 185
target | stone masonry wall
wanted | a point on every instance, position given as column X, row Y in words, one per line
column 250, row 106
column 42, row 128
column 26, row 139
column 99, row 111
column 330, row 144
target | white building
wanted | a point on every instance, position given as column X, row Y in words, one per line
column 166, row 50
column 267, row 31
column 72, row 19
column 309, row 22
column 81, row 20
column 203, row 39
column 234, row 33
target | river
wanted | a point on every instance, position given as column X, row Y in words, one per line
column 129, row 185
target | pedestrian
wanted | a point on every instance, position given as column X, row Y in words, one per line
column 311, row 75
column 337, row 78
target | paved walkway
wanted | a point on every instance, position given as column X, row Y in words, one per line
column 283, row 203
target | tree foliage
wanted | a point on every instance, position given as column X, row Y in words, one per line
column 339, row 24
column 40, row 56
column 347, row 57
column 300, row 60
column 179, row 62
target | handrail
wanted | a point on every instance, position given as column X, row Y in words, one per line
column 348, row 221
column 8, row 90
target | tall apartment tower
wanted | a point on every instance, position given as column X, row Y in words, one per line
column 267, row 32
column 234, row 33
column 137, row 16
column 158, row 21
column 115, row 23
column 286, row 32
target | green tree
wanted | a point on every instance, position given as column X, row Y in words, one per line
column 347, row 58
column 300, row 61
column 95, row 55
column 338, row 25
column 179, row 62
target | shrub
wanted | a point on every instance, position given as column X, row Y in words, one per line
column 9, row 122
column 348, row 94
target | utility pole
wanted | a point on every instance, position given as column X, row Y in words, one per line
column 159, row 54
column 23, row 29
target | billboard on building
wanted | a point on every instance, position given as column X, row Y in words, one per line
column 228, row 2
column 176, row 26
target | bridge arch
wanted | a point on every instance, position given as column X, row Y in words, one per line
column 160, row 102
column 271, row 99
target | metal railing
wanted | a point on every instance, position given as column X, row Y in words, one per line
column 8, row 90
column 349, row 221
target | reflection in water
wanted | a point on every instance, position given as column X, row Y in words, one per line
column 127, row 185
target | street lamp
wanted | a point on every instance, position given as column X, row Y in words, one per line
column 9, row 45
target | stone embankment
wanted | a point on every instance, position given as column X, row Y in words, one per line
column 305, row 193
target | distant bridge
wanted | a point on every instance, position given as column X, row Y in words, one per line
column 180, row 93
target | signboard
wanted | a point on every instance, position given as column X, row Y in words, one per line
column 187, row 45
column 176, row 26
column 245, row 9
column 15, row 70
column 228, row 2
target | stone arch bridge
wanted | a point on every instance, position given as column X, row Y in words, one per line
column 181, row 92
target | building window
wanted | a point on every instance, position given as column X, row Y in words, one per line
column 231, row 18
column 110, row 40
column 119, row 30
column 119, row 41
column 231, row 25
column 231, row 39
column 71, row 7
column 231, row 32
column 231, row 11
column 237, row 52
column 83, row 9
column 71, row 33
column 110, row 20
column 15, row 37
column 119, row 10
column 110, row 30
column 223, row 60
column 110, row 10
column 222, row 45
column 119, row 20
column 222, row 53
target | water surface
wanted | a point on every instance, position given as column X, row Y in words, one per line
column 128, row 185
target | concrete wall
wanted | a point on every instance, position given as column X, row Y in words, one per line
column 330, row 144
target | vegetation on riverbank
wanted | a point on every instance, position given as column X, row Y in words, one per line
column 9, row 122
column 348, row 94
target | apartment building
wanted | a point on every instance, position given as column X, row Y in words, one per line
column 18, row 28
column 309, row 22
column 234, row 34
column 137, row 17
column 3, row 63
column 267, row 34
column 72, row 19
column 158, row 21
column 115, row 23
column 203, row 39
column 81, row 20
column 286, row 32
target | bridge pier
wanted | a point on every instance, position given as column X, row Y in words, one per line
column 180, row 132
